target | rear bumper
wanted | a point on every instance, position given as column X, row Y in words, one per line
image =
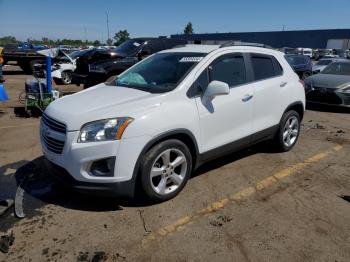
column 121, row 189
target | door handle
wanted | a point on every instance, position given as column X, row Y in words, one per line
column 283, row 84
column 247, row 98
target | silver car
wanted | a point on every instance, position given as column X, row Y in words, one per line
column 323, row 63
column 331, row 86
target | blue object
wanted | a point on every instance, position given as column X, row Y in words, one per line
column 48, row 75
column 3, row 94
column 32, row 86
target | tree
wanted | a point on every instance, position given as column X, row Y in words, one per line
column 188, row 29
column 121, row 37
column 96, row 43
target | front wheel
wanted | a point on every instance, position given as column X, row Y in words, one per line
column 165, row 170
column 288, row 132
column 66, row 77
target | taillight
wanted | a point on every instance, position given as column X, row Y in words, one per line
column 302, row 82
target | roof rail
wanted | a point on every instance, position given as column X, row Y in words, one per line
column 238, row 43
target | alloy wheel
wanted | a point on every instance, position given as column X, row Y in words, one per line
column 290, row 131
column 168, row 171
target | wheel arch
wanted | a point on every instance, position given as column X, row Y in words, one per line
column 298, row 107
column 184, row 135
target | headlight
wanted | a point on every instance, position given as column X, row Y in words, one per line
column 96, row 68
column 345, row 88
column 104, row 130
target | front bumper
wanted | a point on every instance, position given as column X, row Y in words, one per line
column 76, row 160
column 60, row 174
column 327, row 96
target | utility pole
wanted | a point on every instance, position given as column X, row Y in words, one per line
column 283, row 28
column 85, row 34
column 107, row 25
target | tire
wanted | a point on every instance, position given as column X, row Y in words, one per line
column 66, row 77
column 305, row 75
column 167, row 179
column 289, row 130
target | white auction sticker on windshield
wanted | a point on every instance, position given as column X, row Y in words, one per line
column 136, row 44
column 191, row 59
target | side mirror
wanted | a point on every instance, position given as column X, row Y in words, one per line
column 215, row 88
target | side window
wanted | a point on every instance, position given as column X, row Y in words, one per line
column 278, row 67
column 229, row 69
column 263, row 67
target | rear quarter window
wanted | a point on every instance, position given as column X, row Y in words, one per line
column 265, row 67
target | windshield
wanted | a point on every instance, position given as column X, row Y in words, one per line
column 337, row 69
column 129, row 47
column 296, row 60
column 324, row 62
column 159, row 73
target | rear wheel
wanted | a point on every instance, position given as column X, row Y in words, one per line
column 288, row 132
column 165, row 170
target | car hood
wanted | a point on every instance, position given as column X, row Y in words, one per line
column 101, row 102
column 327, row 80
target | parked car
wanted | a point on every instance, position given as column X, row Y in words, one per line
column 322, row 64
column 301, row 64
column 82, row 63
column 168, row 114
column 126, row 55
column 64, row 67
column 331, row 86
column 305, row 51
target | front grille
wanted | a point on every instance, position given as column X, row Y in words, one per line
column 53, row 144
column 54, row 124
column 53, row 134
column 324, row 95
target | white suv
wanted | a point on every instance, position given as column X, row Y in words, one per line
column 163, row 117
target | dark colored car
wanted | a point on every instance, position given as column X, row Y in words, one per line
column 301, row 65
column 82, row 63
column 123, row 57
column 331, row 85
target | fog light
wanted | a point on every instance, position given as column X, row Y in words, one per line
column 103, row 167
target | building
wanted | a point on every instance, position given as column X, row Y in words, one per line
column 316, row 39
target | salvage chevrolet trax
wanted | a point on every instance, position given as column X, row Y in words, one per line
column 163, row 117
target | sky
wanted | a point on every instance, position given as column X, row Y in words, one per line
column 80, row 19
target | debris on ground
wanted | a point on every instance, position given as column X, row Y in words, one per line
column 5, row 205
column 346, row 198
column 19, row 199
column 97, row 256
column 340, row 131
column 6, row 241
column 318, row 126
column 220, row 220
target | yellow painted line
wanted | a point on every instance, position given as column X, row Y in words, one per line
column 236, row 197
column 19, row 126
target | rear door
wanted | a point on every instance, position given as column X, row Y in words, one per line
column 270, row 87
